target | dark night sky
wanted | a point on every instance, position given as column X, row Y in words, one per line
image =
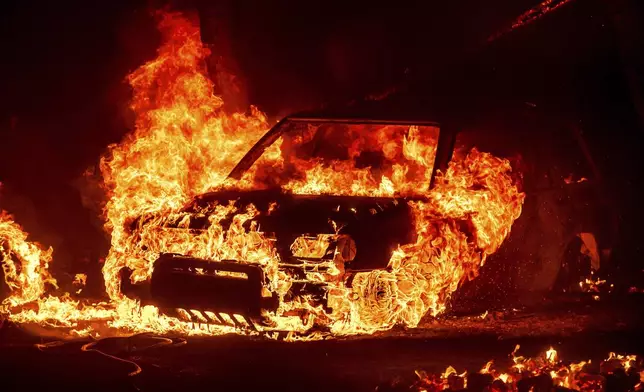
column 64, row 97
column 63, row 101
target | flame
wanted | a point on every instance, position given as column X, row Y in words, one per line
column 506, row 378
column 532, row 15
column 625, row 361
column 184, row 144
column 80, row 279
column 448, row 372
column 551, row 355
column 573, row 376
column 24, row 264
column 589, row 285
column 487, row 368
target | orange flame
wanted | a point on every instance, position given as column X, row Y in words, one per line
column 24, row 263
column 573, row 376
column 184, row 145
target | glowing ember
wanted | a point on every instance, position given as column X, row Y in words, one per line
column 532, row 15
column 591, row 285
column 551, row 355
column 540, row 372
column 80, row 280
column 184, row 145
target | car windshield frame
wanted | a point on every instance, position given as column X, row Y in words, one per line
column 279, row 129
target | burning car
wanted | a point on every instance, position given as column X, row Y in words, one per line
column 323, row 224
column 328, row 223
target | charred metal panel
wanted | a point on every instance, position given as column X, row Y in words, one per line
column 224, row 287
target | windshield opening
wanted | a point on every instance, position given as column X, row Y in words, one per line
column 347, row 159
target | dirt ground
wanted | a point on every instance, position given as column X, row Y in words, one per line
column 578, row 329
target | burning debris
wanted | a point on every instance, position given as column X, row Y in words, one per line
column 25, row 264
column 530, row 16
column 180, row 224
column 546, row 372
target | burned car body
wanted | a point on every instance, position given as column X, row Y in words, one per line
column 307, row 246
column 318, row 238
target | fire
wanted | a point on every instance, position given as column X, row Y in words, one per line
column 532, row 15
column 551, row 355
column 544, row 371
column 589, row 285
column 24, row 263
column 25, row 266
column 184, row 145
column 80, row 280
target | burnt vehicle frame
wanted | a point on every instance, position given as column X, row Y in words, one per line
column 214, row 295
column 235, row 296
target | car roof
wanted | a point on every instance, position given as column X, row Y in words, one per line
column 398, row 109
column 353, row 117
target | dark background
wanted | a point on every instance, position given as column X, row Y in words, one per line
column 64, row 98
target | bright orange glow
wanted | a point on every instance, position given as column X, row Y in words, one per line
column 184, row 145
column 573, row 376
column 24, row 263
column 532, row 15
column 551, row 355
